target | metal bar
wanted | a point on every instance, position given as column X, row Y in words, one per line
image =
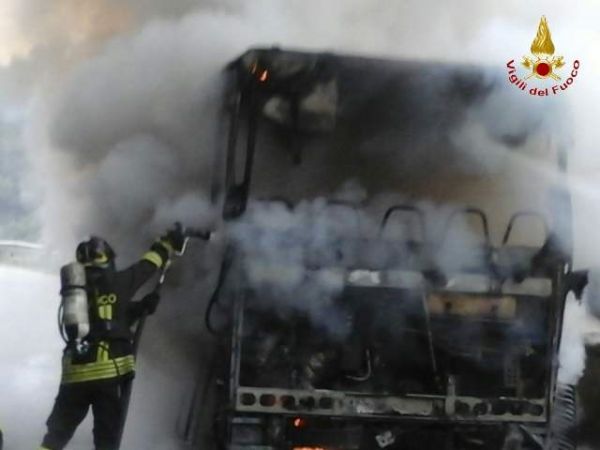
column 236, row 345
column 430, row 338
column 468, row 211
column 518, row 215
column 250, row 141
column 555, row 322
column 230, row 178
column 351, row 404
column 236, row 355
column 405, row 208
column 221, row 139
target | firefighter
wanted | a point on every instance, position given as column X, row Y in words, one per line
column 96, row 372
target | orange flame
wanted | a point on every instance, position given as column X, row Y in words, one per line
column 309, row 448
column 542, row 44
column 298, row 422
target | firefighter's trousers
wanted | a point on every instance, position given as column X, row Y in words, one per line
column 71, row 407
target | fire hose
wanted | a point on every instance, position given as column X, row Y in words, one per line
column 214, row 299
column 141, row 322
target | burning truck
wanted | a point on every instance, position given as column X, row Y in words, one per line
column 419, row 308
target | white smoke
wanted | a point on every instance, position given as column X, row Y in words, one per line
column 276, row 245
column 160, row 84
column 572, row 348
column 311, row 247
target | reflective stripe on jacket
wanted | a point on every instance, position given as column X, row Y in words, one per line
column 99, row 370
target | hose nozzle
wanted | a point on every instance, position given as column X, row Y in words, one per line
column 198, row 233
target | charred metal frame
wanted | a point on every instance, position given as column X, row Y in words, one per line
column 246, row 98
column 412, row 406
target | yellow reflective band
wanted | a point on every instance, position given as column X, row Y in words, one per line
column 154, row 258
column 166, row 244
column 111, row 368
column 102, row 353
column 105, row 312
column 101, row 259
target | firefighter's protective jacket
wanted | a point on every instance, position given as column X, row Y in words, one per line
column 108, row 350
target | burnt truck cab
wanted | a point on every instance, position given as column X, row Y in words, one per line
column 424, row 338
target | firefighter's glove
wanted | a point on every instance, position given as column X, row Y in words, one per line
column 150, row 302
column 175, row 238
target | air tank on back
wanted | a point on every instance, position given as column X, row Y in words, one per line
column 75, row 318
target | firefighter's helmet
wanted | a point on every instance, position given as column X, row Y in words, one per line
column 95, row 252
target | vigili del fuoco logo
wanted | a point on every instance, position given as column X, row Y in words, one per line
column 543, row 66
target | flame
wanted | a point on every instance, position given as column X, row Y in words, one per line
column 298, row 422
column 264, row 76
column 542, row 44
column 309, row 448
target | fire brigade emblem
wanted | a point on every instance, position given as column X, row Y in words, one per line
column 543, row 63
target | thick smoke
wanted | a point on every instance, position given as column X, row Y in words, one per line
column 278, row 244
column 156, row 91
column 311, row 246
column 572, row 352
column 128, row 93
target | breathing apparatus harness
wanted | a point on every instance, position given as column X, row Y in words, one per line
column 73, row 313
